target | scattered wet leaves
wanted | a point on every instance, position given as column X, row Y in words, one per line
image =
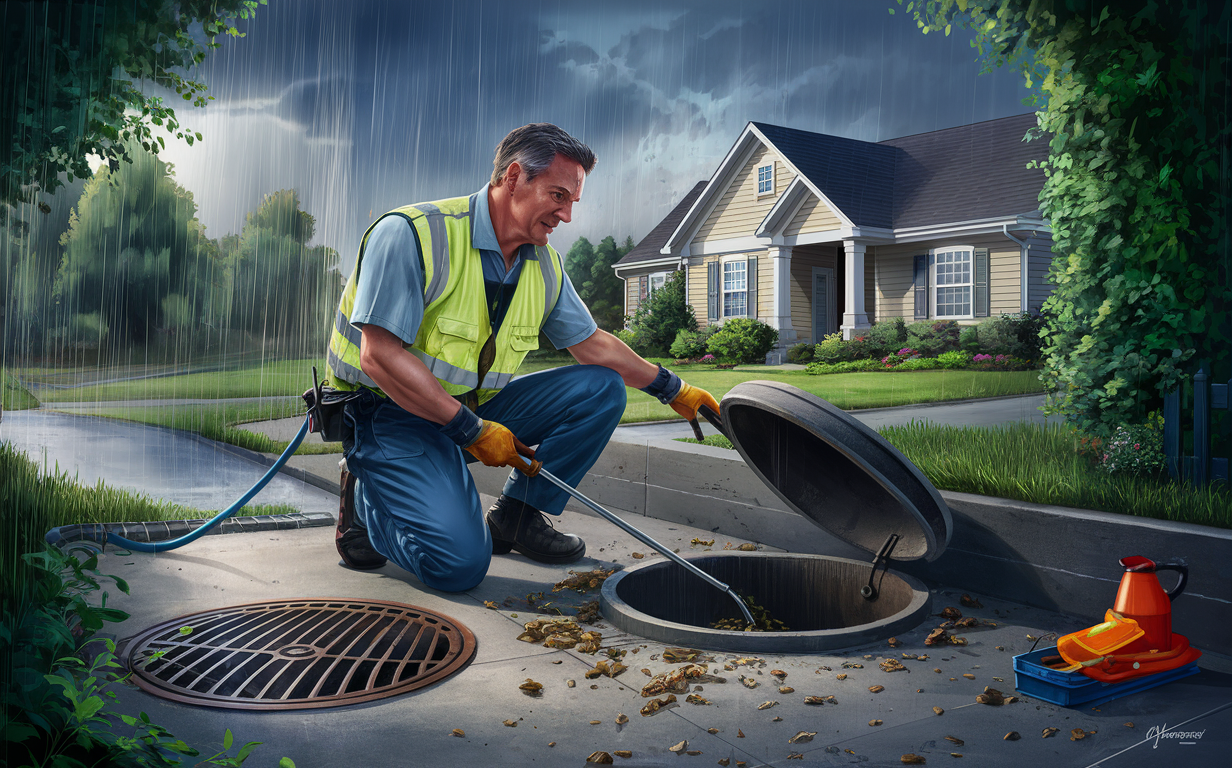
column 802, row 737
column 739, row 734
column 551, row 743
column 637, row 555
column 623, row 753
column 776, row 720
column 908, row 759
column 531, row 688
column 795, row 756
column 767, row 704
column 819, row 700
column 894, row 642
column 786, row 689
column 990, row 696
column 955, row 740
column 712, row 731
column 876, row 688
column 892, row 665
column 939, row 710
column 595, row 722
column 747, row 547
column 561, row 633
column 458, row 732
column 601, row 758
column 570, row 683
column 968, row 675
column 588, row 613
column 937, row 637
column 937, row 670
column 557, row 661
column 970, row 602
column 693, row 698
column 657, row 704
column 697, row 542
column 998, row 680
column 951, row 613
column 677, row 655
column 647, row 672
column 676, row 681
column 1077, row 734
column 1129, row 725
column 724, row 761
column 748, row 682
column 841, row 676
column 678, row 748
column 851, row 665
column 956, row 754
column 583, row 581
column 1050, row 732
column 874, row 723
column 953, row 640
column 511, row 723
column 910, row 656
column 1000, row 647
column 822, row 669
column 1012, row 736
column 490, row 604
column 693, row 752
column 778, row 673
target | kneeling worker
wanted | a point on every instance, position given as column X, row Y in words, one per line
column 445, row 301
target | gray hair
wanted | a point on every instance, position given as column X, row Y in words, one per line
column 534, row 147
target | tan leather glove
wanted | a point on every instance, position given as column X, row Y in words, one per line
column 690, row 399
column 497, row 447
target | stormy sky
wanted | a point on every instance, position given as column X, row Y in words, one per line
column 367, row 105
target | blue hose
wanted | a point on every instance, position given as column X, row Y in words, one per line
column 163, row 546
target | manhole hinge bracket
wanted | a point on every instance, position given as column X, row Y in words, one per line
column 882, row 560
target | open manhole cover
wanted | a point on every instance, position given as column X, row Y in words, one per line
column 298, row 654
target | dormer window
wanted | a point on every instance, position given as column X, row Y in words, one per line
column 765, row 179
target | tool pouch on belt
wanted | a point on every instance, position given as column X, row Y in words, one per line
column 325, row 410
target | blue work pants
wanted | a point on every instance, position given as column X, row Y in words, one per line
column 417, row 498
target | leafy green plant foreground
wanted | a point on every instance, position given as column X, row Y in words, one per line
column 13, row 396
column 1042, row 465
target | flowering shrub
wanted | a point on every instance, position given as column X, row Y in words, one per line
column 1136, row 449
column 894, row 358
column 850, row 366
column 706, row 359
column 999, row 363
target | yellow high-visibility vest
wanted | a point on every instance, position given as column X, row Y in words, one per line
column 455, row 324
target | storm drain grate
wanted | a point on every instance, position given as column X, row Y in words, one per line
column 298, row 654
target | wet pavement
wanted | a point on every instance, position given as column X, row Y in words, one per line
column 417, row 728
column 161, row 463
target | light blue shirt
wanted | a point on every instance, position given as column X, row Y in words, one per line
column 391, row 280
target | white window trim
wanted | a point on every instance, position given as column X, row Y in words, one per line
column 741, row 257
column 651, row 280
column 757, row 178
column 935, row 304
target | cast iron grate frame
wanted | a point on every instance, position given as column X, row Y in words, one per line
column 302, row 653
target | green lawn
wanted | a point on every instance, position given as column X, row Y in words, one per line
column 1041, row 464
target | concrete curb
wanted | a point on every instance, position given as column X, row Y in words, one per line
column 163, row 530
column 1057, row 558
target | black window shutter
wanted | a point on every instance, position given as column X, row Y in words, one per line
column 981, row 282
column 643, row 288
column 712, row 290
column 921, row 287
column 751, row 276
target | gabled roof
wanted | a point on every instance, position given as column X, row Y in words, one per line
column 941, row 177
column 648, row 248
column 968, row 172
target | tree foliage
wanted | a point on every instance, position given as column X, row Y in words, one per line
column 73, row 77
column 1135, row 100
column 660, row 317
column 590, row 270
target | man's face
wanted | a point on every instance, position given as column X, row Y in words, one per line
column 540, row 205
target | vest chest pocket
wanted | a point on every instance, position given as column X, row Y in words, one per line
column 524, row 338
column 455, row 341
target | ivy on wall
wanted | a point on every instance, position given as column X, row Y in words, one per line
column 1136, row 102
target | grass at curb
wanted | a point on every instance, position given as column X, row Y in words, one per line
column 33, row 502
column 1040, row 464
column 13, row 396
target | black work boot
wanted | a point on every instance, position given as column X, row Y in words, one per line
column 350, row 539
column 516, row 525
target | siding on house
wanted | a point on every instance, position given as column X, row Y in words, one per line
column 803, row 259
column 813, row 216
column 695, row 288
column 739, row 210
column 1039, row 262
column 895, row 286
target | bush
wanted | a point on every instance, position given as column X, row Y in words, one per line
column 801, row 353
column 1136, row 449
column 690, row 345
column 888, row 336
column 969, row 338
column 1000, row 363
column 665, row 313
column 897, row 357
column 957, row 359
column 625, row 335
column 742, row 340
column 932, row 337
column 996, row 335
column 851, row 366
column 831, row 349
column 919, row 364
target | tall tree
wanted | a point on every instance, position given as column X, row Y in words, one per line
column 1137, row 190
column 72, row 78
column 605, row 291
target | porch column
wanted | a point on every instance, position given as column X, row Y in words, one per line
column 854, row 318
column 780, row 257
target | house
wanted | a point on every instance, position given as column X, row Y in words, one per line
column 816, row 234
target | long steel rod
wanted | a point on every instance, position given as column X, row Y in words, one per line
column 648, row 541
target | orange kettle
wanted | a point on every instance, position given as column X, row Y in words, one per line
column 1142, row 599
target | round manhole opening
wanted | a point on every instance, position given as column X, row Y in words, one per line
column 816, row 596
column 298, row 654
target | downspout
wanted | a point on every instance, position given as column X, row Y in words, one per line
column 1023, row 248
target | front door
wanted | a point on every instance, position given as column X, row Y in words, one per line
column 823, row 302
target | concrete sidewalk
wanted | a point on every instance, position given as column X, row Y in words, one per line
column 415, row 728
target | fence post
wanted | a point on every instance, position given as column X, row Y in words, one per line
column 1172, row 432
column 1202, row 428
